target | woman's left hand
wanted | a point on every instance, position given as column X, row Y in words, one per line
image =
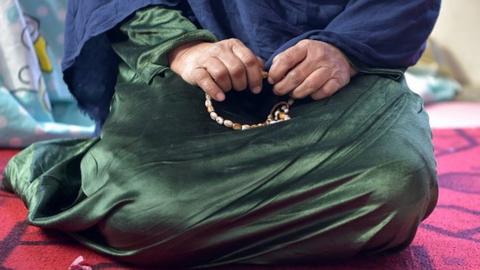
column 310, row 68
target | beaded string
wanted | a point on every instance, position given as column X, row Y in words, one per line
column 278, row 113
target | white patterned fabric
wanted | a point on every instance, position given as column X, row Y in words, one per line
column 35, row 104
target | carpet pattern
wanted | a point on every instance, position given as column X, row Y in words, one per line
column 448, row 239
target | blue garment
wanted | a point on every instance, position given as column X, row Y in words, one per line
column 372, row 33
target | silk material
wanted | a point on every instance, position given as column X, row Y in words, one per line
column 353, row 174
column 166, row 185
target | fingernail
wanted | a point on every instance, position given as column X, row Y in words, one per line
column 220, row 96
column 270, row 80
column 257, row 89
column 275, row 91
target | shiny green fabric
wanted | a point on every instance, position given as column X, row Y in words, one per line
column 353, row 174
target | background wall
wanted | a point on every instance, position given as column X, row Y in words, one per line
column 458, row 32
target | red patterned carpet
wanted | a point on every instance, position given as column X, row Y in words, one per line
column 448, row 239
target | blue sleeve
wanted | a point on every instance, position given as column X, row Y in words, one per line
column 89, row 64
column 379, row 34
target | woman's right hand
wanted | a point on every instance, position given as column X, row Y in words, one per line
column 218, row 67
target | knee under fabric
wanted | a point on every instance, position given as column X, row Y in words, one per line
column 165, row 185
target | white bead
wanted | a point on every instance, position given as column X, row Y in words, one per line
column 219, row 120
column 228, row 123
column 208, row 103
column 245, row 127
column 213, row 115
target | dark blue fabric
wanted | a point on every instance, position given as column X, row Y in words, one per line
column 372, row 33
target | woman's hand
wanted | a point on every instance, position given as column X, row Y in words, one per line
column 218, row 67
column 310, row 68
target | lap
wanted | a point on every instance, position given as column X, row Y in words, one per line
column 209, row 173
column 163, row 168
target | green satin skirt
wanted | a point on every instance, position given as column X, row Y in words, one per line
column 353, row 174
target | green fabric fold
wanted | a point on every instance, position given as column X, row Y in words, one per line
column 150, row 34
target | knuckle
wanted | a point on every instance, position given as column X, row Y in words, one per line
column 328, row 91
column 217, row 48
column 194, row 75
column 310, row 85
column 328, row 72
column 316, row 96
column 241, row 84
column 237, row 71
column 304, row 42
column 203, row 82
column 296, row 80
column 213, row 87
column 296, row 76
column 293, row 74
column 210, row 92
column 197, row 75
column 250, row 61
column 220, row 74
column 320, row 53
column 285, row 61
column 234, row 41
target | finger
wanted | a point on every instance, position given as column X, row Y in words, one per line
column 208, row 85
column 294, row 78
column 285, row 61
column 262, row 62
column 262, row 66
column 328, row 89
column 236, row 70
column 312, row 83
column 252, row 66
column 219, row 72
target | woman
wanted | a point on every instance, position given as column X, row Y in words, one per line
column 351, row 173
